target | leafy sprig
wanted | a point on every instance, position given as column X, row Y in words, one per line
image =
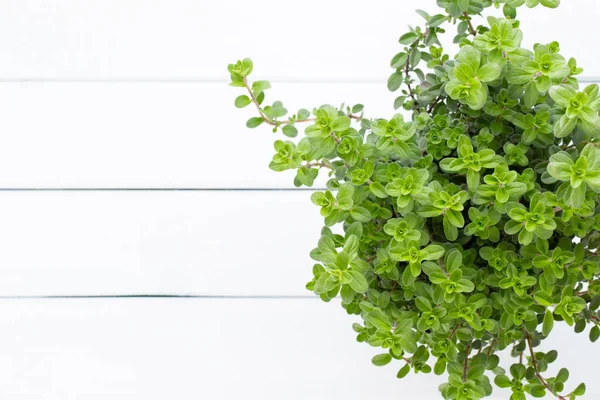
column 470, row 219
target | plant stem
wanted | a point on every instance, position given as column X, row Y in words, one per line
column 318, row 164
column 466, row 363
column 472, row 30
column 535, row 367
column 410, row 91
column 453, row 331
column 489, row 352
column 287, row 121
column 433, row 104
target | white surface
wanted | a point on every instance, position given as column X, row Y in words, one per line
column 167, row 134
column 203, row 243
column 174, row 135
column 208, row 349
column 189, row 349
column 169, row 39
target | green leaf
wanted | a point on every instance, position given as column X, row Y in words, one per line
column 517, row 371
column 543, row 298
column 594, row 333
column 470, row 55
column 453, row 260
column 254, row 122
column 408, row 38
column 360, row 214
column 537, row 391
column 579, row 390
column 345, row 191
column 378, row 190
column 403, row 371
column 357, row 108
column 423, row 304
column 394, row 81
column 434, row 252
column 358, row 283
column 303, row 114
column 548, row 323
column 289, row 131
column 260, row 86
column 550, row 3
column 450, row 231
column 577, row 196
column 399, row 102
column 381, row 359
column 415, row 269
column 509, row 12
column 437, row 20
column 455, row 218
column 489, row 72
column 503, row 381
column 463, row 5
column 340, row 124
column 242, row 101
column 531, row 96
column 378, row 319
column 414, row 57
column 473, row 180
column 347, row 294
column 564, row 126
column 563, row 375
column 562, row 94
column 351, row 246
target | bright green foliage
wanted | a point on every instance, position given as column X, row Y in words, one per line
column 535, row 222
column 578, row 175
column 467, row 223
column 578, row 109
column 468, row 78
column 501, row 41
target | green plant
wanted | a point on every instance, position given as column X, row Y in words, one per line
column 470, row 227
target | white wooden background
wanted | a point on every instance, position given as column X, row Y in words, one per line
column 132, row 94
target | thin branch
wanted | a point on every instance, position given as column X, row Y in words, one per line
column 472, row 30
column 521, row 358
column 318, row 164
column 489, row 352
column 434, row 104
column 287, row 121
column 255, row 101
column 453, row 332
column 410, row 91
column 535, row 367
column 466, row 363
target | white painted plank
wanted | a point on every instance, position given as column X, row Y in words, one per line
column 212, row 349
column 143, row 39
column 189, row 349
column 151, row 135
column 203, row 243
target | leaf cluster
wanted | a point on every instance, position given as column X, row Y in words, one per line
column 467, row 223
